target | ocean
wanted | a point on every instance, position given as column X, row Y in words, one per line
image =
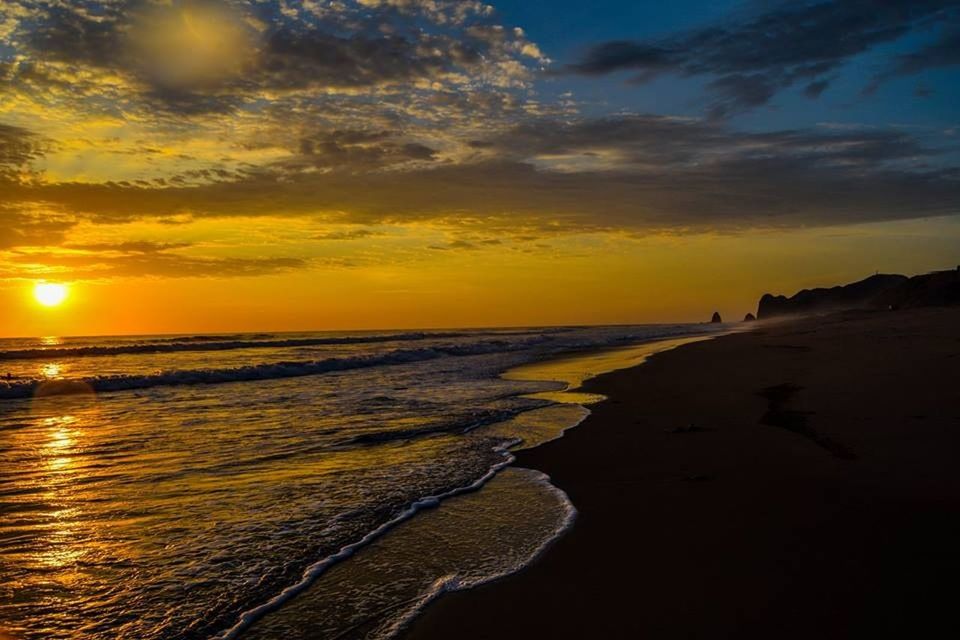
column 311, row 485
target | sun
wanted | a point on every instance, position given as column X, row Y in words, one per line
column 50, row 294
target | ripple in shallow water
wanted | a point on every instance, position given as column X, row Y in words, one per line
column 472, row 539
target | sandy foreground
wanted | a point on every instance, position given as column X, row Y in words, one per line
column 798, row 481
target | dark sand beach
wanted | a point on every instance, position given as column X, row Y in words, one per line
column 797, row 481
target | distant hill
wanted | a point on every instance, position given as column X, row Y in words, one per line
column 881, row 291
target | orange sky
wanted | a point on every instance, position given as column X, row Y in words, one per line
column 204, row 166
column 601, row 278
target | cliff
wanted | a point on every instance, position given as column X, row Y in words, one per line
column 881, row 291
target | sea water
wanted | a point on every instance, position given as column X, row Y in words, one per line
column 319, row 485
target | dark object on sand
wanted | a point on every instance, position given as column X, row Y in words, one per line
column 690, row 428
column 880, row 291
column 716, row 317
column 749, row 317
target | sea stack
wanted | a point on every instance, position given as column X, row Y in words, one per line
column 749, row 317
column 716, row 317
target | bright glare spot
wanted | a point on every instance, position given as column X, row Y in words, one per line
column 191, row 44
column 49, row 294
column 51, row 371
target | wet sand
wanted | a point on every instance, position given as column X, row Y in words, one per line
column 798, row 481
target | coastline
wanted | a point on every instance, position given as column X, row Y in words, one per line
column 814, row 496
column 288, row 613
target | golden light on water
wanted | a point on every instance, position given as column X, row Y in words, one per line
column 50, row 294
column 51, row 371
column 62, row 438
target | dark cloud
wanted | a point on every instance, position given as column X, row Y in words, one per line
column 659, row 143
column 162, row 265
column 456, row 245
column 130, row 247
column 23, row 222
column 174, row 266
column 617, row 55
column 473, row 244
column 354, row 150
column 18, row 148
column 348, row 234
column 87, row 33
column 189, row 103
column 815, row 89
column 791, row 43
column 314, row 58
column 944, row 52
column 629, row 172
column 22, row 226
column 348, row 47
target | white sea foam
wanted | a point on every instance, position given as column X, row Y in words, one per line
column 455, row 582
column 317, row 569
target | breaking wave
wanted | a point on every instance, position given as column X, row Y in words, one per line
column 265, row 371
column 213, row 343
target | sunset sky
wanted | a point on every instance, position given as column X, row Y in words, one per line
column 189, row 166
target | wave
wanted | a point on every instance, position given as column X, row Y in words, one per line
column 440, row 586
column 212, row 337
column 450, row 583
column 266, row 371
column 317, row 569
column 200, row 343
column 246, row 341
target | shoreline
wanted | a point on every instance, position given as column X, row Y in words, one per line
column 570, row 369
column 723, row 509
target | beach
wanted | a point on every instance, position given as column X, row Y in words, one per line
column 798, row 480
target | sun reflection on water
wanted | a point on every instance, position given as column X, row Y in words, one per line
column 68, row 538
column 61, row 441
column 64, row 545
column 51, row 371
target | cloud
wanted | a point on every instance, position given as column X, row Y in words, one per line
column 417, row 112
column 355, row 149
column 74, row 33
column 294, row 60
column 28, row 224
column 637, row 172
column 456, row 245
column 752, row 60
column 24, row 222
column 18, row 148
column 129, row 247
column 207, row 56
column 943, row 52
column 654, row 144
column 420, row 74
column 474, row 243
column 94, row 265
column 347, row 234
